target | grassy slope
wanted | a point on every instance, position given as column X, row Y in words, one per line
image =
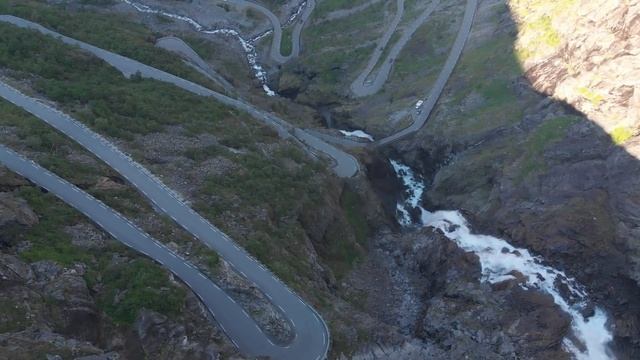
column 49, row 240
column 336, row 50
column 114, row 33
column 414, row 71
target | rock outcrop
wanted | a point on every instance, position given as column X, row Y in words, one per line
column 594, row 61
column 430, row 290
column 15, row 210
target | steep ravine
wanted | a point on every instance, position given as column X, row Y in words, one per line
column 501, row 262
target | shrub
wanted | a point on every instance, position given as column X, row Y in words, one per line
column 620, row 135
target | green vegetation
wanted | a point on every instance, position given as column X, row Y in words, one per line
column 352, row 204
column 210, row 257
column 551, row 131
column 594, row 98
column 286, row 43
column 201, row 154
column 544, row 31
column 620, row 135
column 327, row 6
column 270, row 183
column 496, row 92
column 269, row 203
column 35, row 133
column 495, row 103
column 204, row 48
column 13, row 316
column 424, row 51
column 339, row 254
column 537, row 34
column 47, row 238
column 415, row 69
column 347, row 41
column 99, row 96
column 114, row 33
column 392, row 41
column 136, row 285
column 102, row 98
column 267, row 181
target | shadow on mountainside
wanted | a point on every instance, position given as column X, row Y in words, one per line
column 533, row 169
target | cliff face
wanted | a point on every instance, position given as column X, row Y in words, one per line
column 591, row 59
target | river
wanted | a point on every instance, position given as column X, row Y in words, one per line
column 500, row 260
column 248, row 45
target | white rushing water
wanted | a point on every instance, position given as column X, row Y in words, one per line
column 295, row 14
column 247, row 45
column 500, row 261
column 357, row 133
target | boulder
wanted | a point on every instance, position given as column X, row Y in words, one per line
column 15, row 210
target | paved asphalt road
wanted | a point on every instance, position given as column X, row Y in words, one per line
column 275, row 53
column 437, row 88
column 434, row 94
column 360, row 87
column 311, row 333
column 345, row 164
column 178, row 46
column 363, row 85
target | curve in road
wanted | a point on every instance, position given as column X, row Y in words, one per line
column 247, row 45
column 178, row 46
column 437, row 88
column 345, row 165
column 223, row 308
column 434, row 94
column 362, row 86
column 276, row 43
column 275, row 53
column 311, row 333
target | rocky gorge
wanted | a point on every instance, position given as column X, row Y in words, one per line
column 533, row 141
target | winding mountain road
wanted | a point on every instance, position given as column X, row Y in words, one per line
column 345, row 164
column 429, row 102
column 363, row 85
column 275, row 53
column 360, row 86
column 437, row 88
column 311, row 333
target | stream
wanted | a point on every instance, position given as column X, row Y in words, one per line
column 248, row 45
column 500, row 261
